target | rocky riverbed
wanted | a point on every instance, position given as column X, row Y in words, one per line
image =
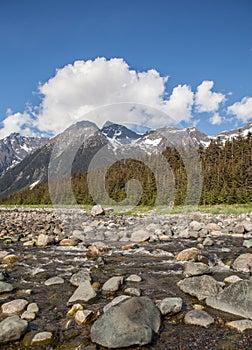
column 72, row 280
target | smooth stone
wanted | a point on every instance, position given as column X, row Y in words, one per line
column 240, row 325
column 54, row 280
column 68, row 242
column 198, row 318
column 42, row 337
column 5, row 287
column 115, row 301
column 133, row 292
column 84, row 292
column 10, row 259
column 200, row 286
column 28, row 315
column 33, row 307
column 243, row 263
column 12, row 328
column 132, row 322
column 247, row 243
column 74, row 309
column 187, row 254
column 208, row 242
column 170, row 306
column 14, row 307
column 82, row 316
column 232, row 279
column 79, row 277
column 139, row 236
column 97, row 210
column 112, row 284
column 134, row 278
column 195, row 269
column 43, row 240
column 235, row 299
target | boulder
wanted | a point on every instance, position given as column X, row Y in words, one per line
column 131, row 322
column 200, row 286
column 195, row 269
column 243, row 263
column 170, row 306
column 140, row 236
column 12, row 328
column 112, row 284
column 187, row 254
column 79, row 277
column 198, row 318
column 235, row 299
column 84, row 292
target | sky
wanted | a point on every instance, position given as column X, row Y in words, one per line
column 188, row 61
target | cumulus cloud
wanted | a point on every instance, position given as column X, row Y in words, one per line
column 207, row 100
column 83, row 86
column 17, row 122
column 242, row 110
column 215, row 119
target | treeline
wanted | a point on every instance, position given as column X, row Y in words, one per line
column 226, row 178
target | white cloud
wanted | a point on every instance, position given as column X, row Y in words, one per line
column 83, row 86
column 17, row 122
column 205, row 99
column 242, row 110
column 215, row 119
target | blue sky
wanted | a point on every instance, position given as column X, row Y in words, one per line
column 204, row 47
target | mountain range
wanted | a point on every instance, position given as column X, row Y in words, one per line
column 24, row 160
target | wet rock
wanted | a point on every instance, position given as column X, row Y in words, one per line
column 112, row 284
column 232, row 279
column 12, row 328
column 68, row 242
column 208, row 242
column 170, row 306
column 74, row 309
column 82, row 316
column 198, row 318
column 243, row 263
column 240, row 325
column 10, row 259
column 84, row 292
column 132, row 322
column 235, row 299
column 187, row 254
column 140, row 236
column 54, row 280
column 200, row 286
column 5, row 287
column 33, row 307
column 43, row 240
column 28, row 315
column 133, row 292
column 247, row 225
column 247, row 243
column 134, row 278
column 115, row 301
column 79, row 277
column 42, row 338
column 97, row 210
column 14, row 307
column 195, row 269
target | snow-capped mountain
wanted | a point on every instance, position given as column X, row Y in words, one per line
column 230, row 134
column 82, row 141
column 14, row 148
column 119, row 134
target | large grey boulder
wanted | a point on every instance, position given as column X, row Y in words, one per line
column 132, row 322
column 200, row 286
column 12, row 328
column 235, row 299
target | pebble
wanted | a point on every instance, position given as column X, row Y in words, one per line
column 134, row 278
column 54, row 280
column 84, row 292
column 112, row 284
column 33, row 307
column 42, row 337
column 133, row 292
column 82, row 316
column 28, row 315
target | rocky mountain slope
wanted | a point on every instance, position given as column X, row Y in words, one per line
column 14, row 148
